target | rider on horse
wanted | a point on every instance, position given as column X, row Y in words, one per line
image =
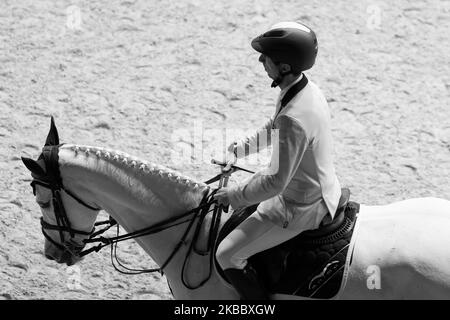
column 299, row 190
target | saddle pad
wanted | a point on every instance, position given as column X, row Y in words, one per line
column 309, row 265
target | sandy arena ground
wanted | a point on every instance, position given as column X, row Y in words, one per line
column 128, row 74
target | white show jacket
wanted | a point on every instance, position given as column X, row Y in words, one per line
column 299, row 186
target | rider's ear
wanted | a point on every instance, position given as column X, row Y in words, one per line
column 285, row 68
column 52, row 137
column 33, row 166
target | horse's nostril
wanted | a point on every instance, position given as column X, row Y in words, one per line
column 49, row 257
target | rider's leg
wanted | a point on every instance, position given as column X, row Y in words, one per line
column 253, row 235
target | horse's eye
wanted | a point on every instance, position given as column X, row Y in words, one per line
column 44, row 205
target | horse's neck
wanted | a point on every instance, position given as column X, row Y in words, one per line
column 134, row 192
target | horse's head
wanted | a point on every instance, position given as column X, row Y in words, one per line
column 66, row 219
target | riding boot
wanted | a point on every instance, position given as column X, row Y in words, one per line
column 246, row 283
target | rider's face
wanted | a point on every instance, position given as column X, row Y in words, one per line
column 271, row 68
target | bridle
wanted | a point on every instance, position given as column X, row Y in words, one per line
column 62, row 221
column 53, row 182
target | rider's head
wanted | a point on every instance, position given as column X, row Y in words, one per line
column 287, row 49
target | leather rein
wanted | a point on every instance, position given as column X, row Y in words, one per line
column 53, row 181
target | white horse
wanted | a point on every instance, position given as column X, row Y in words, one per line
column 398, row 251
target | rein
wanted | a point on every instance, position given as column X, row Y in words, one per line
column 53, row 181
column 199, row 212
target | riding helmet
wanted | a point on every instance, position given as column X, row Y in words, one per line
column 289, row 42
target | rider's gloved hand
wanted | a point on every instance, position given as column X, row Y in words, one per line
column 222, row 197
column 231, row 157
column 221, row 194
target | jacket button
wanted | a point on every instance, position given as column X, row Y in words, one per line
column 285, row 224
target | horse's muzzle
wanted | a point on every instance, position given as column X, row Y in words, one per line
column 51, row 252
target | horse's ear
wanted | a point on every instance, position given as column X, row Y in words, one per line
column 52, row 138
column 33, row 166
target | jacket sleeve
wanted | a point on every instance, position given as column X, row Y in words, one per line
column 260, row 140
column 286, row 157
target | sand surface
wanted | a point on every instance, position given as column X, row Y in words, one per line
column 128, row 74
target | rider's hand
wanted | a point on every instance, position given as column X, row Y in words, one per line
column 222, row 197
column 231, row 157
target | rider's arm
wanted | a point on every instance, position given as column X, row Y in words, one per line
column 265, row 184
column 250, row 144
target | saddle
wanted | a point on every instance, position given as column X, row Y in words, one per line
column 308, row 265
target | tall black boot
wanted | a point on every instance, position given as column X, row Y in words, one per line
column 246, row 283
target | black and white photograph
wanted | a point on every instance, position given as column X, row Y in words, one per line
column 202, row 150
